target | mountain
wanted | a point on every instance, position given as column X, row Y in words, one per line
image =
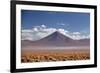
column 56, row 39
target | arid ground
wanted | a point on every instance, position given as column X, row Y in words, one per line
column 29, row 56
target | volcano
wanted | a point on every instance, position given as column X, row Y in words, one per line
column 56, row 39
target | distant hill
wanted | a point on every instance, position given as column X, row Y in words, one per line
column 56, row 39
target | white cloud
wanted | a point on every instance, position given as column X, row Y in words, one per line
column 36, row 33
column 39, row 32
column 43, row 26
column 35, row 29
column 63, row 31
column 76, row 33
column 50, row 29
column 62, row 24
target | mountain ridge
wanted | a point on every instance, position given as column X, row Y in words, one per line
column 57, row 39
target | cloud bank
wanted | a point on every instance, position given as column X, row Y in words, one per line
column 39, row 32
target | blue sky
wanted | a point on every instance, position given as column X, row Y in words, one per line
column 71, row 21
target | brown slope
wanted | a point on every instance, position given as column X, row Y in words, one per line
column 57, row 39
